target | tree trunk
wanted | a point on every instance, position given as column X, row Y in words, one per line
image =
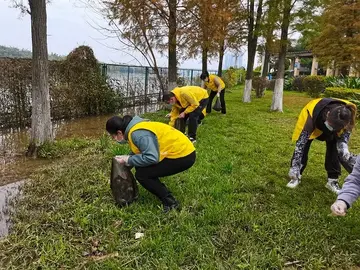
column 204, row 59
column 41, row 128
column 253, row 32
column 221, row 58
column 277, row 100
column 172, row 72
column 265, row 70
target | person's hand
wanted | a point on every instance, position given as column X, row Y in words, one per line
column 182, row 115
column 123, row 159
column 218, row 94
column 168, row 115
column 339, row 208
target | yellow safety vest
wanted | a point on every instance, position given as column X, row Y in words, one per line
column 309, row 110
column 211, row 83
column 172, row 143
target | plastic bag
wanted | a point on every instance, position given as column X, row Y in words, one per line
column 180, row 124
column 123, row 184
column 217, row 105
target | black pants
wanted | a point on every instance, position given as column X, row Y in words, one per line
column 332, row 161
column 148, row 177
column 222, row 101
column 194, row 118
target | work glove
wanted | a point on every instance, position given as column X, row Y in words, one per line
column 339, row 208
column 218, row 94
column 168, row 115
column 123, row 159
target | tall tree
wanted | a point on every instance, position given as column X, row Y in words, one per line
column 230, row 20
column 201, row 27
column 41, row 128
column 150, row 27
column 253, row 28
column 277, row 103
column 339, row 36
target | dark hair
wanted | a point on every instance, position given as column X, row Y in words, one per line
column 343, row 116
column 204, row 75
column 166, row 97
column 116, row 123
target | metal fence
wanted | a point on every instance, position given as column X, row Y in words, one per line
column 140, row 85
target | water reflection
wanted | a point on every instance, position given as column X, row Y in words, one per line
column 13, row 142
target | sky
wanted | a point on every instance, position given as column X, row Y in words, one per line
column 71, row 24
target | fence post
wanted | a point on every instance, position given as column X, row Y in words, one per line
column 146, row 82
column 104, row 70
column 127, row 82
column 191, row 76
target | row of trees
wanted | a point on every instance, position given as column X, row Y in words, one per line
column 188, row 28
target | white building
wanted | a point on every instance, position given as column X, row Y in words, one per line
column 234, row 60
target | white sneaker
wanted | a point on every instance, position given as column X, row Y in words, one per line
column 293, row 183
column 333, row 185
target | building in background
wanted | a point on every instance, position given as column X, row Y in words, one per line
column 232, row 59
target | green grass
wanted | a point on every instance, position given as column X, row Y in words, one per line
column 237, row 212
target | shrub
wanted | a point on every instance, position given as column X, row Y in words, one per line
column 288, row 83
column 259, row 84
column 352, row 95
column 314, row 85
column 298, row 84
column 345, row 82
column 233, row 77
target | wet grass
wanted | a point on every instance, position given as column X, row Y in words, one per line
column 237, row 212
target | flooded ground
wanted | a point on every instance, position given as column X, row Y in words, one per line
column 15, row 167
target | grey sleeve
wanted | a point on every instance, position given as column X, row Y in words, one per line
column 148, row 145
column 351, row 188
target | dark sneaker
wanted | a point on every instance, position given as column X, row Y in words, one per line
column 170, row 203
column 192, row 139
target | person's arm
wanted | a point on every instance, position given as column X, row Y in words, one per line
column 217, row 84
column 191, row 99
column 174, row 114
column 294, row 172
column 351, row 188
column 148, row 145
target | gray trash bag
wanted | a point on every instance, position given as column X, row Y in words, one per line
column 123, row 184
column 217, row 105
column 180, row 124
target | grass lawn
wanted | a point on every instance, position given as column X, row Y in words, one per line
column 236, row 210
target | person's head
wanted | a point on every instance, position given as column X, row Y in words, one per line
column 116, row 127
column 170, row 98
column 204, row 76
column 342, row 116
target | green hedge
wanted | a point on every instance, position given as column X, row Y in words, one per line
column 314, row 85
column 352, row 95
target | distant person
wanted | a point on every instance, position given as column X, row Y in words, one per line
column 188, row 102
column 158, row 150
column 349, row 193
column 325, row 119
column 217, row 87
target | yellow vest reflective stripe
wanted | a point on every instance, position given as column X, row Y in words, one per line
column 211, row 83
column 172, row 143
column 309, row 110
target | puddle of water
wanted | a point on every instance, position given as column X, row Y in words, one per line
column 14, row 166
column 7, row 193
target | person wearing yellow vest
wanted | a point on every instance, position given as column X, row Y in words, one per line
column 330, row 120
column 158, row 150
column 217, row 87
column 188, row 102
